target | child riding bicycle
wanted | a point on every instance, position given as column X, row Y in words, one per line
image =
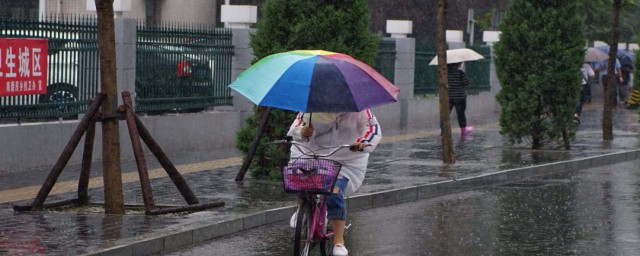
column 321, row 132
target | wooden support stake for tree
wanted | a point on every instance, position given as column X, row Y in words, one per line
column 87, row 157
column 145, row 184
column 66, row 153
column 74, row 201
column 254, row 145
column 136, row 128
column 164, row 161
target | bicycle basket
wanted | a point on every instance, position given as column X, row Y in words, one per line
column 311, row 175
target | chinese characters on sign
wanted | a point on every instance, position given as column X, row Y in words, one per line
column 23, row 66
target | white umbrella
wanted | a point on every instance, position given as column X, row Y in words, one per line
column 595, row 55
column 459, row 55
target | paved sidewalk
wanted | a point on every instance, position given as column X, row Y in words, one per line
column 405, row 167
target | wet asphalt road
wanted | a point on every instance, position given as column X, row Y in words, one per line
column 591, row 212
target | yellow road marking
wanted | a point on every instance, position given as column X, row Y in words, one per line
column 128, row 177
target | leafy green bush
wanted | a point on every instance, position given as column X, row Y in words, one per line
column 538, row 61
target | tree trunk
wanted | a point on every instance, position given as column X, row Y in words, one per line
column 113, row 196
column 536, row 129
column 448, row 156
column 565, row 139
column 607, row 119
column 151, row 12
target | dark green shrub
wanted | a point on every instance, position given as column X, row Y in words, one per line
column 538, row 61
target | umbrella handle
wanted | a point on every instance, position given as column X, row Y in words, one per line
column 310, row 115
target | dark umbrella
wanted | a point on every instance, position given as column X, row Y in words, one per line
column 625, row 57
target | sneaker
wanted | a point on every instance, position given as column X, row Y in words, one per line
column 293, row 220
column 340, row 250
column 466, row 130
column 467, row 138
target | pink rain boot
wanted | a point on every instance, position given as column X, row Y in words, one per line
column 466, row 130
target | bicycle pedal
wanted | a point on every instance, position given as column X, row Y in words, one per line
column 346, row 228
column 301, row 240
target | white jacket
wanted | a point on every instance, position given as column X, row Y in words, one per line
column 335, row 129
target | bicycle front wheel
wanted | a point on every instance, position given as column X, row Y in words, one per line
column 302, row 236
column 326, row 243
column 326, row 246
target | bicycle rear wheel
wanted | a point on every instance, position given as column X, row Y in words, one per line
column 302, row 243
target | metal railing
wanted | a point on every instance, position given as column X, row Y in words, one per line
column 179, row 67
column 426, row 77
column 72, row 68
column 478, row 71
column 386, row 59
column 184, row 67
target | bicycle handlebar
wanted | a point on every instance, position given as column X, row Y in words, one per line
column 312, row 153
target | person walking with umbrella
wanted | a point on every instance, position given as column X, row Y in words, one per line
column 601, row 68
column 324, row 131
column 458, row 83
column 587, row 75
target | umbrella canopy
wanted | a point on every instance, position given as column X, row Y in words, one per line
column 625, row 57
column 315, row 81
column 595, row 55
column 459, row 55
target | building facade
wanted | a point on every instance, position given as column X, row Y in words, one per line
column 197, row 11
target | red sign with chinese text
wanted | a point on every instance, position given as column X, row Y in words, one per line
column 23, row 66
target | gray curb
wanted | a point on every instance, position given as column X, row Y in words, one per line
column 200, row 232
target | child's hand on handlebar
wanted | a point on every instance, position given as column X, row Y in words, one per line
column 307, row 131
column 358, row 146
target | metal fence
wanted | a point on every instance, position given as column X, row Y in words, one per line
column 426, row 77
column 179, row 67
column 182, row 67
column 72, row 69
column 478, row 71
column 386, row 59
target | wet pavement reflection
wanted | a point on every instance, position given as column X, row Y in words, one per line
column 590, row 212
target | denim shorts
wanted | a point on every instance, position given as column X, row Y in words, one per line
column 336, row 207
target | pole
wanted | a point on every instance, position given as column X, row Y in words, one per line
column 254, row 145
column 66, row 154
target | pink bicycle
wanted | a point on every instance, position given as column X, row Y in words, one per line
column 311, row 177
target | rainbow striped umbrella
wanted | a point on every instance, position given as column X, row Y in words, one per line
column 315, row 81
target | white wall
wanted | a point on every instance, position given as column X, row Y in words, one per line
column 196, row 11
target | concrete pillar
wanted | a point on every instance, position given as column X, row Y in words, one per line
column 494, row 83
column 404, row 75
column 405, row 66
column 455, row 39
column 241, row 60
column 125, row 56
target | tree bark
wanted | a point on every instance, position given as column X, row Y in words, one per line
column 151, row 12
column 448, row 156
column 536, row 128
column 113, row 195
column 607, row 119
